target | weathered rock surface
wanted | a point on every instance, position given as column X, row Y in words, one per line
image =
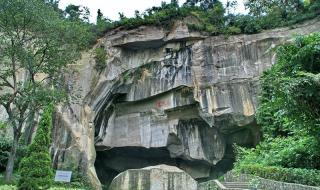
column 161, row 177
column 146, row 37
column 166, row 97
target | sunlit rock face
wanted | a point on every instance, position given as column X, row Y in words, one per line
column 170, row 97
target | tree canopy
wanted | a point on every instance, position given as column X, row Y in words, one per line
column 289, row 113
column 36, row 45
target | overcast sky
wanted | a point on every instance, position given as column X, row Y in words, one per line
column 111, row 8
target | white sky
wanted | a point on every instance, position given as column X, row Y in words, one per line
column 111, row 8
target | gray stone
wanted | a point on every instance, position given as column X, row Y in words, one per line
column 166, row 97
column 263, row 183
column 161, row 177
column 145, row 37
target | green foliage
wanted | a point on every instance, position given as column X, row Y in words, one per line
column 78, row 181
column 232, row 30
column 102, row 24
column 11, row 187
column 77, row 13
column 314, row 6
column 3, row 125
column 5, row 146
column 262, row 7
column 35, row 169
column 295, row 152
column 268, row 14
column 289, row 113
column 265, row 14
column 290, row 100
column 157, row 16
column 246, row 23
column 55, row 186
column 8, row 187
column 100, row 58
column 55, row 43
column 290, row 175
column 203, row 4
column 36, row 39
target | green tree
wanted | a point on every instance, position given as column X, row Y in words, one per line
column 231, row 6
column 262, row 7
column 53, row 3
column 175, row 3
column 77, row 13
column 35, row 168
column 100, row 16
column 36, row 45
column 290, row 102
column 289, row 114
column 216, row 15
column 102, row 23
column 204, row 4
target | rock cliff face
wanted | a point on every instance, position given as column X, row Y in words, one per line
column 170, row 97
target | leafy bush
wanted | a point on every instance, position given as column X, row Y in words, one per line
column 290, row 175
column 315, row 6
column 8, row 187
column 5, row 147
column 232, row 30
column 78, row 181
column 100, row 58
column 247, row 24
column 11, row 187
column 35, row 169
column 289, row 113
column 213, row 19
column 295, row 152
column 290, row 101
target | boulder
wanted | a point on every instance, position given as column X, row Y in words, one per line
column 161, row 177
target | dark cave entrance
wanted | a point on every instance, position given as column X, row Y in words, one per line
column 110, row 163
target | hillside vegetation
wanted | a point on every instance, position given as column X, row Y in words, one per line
column 216, row 19
column 289, row 113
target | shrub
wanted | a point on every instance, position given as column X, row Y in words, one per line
column 100, row 58
column 289, row 100
column 232, row 30
column 8, row 187
column 248, row 24
column 5, row 147
column 35, row 169
column 288, row 113
column 290, row 175
column 315, row 7
column 296, row 152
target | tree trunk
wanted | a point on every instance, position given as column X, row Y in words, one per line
column 11, row 159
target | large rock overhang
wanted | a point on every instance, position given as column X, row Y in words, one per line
column 160, row 115
column 215, row 78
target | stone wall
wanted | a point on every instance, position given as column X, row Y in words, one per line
column 267, row 183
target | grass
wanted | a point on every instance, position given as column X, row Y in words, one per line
column 11, row 187
column 57, row 186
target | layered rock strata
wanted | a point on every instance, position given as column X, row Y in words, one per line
column 171, row 97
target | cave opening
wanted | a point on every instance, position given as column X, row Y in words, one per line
column 110, row 163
